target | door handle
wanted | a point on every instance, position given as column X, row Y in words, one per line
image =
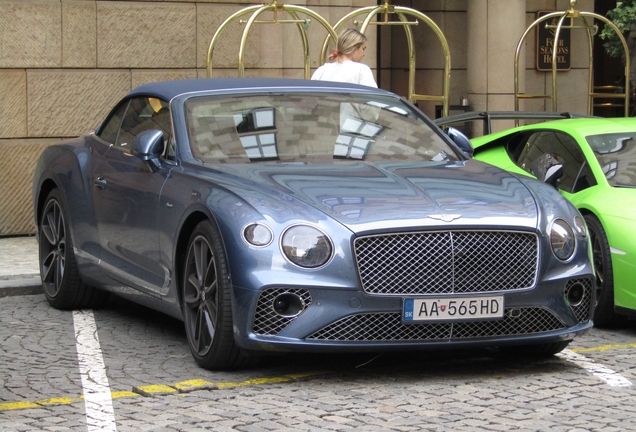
column 100, row 182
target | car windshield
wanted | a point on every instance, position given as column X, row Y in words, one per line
column 306, row 127
column 616, row 153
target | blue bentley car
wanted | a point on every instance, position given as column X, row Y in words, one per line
column 274, row 215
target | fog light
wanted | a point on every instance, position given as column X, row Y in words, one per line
column 575, row 294
column 288, row 305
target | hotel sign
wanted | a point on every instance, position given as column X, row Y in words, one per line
column 545, row 44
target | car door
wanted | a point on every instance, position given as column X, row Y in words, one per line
column 126, row 197
column 577, row 175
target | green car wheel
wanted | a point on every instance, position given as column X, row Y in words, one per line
column 604, row 315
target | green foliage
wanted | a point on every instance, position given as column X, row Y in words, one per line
column 622, row 16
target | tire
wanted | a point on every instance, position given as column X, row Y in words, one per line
column 206, row 299
column 536, row 351
column 61, row 281
column 604, row 315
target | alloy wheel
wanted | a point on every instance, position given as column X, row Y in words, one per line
column 52, row 248
column 201, row 296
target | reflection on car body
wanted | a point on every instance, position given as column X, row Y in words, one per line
column 292, row 215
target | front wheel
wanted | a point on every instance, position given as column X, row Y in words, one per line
column 207, row 308
column 604, row 314
column 61, row 281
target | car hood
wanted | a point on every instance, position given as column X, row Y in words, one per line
column 367, row 195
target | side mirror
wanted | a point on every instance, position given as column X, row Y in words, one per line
column 460, row 140
column 148, row 146
column 547, row 169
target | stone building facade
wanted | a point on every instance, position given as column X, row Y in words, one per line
column 65, row 63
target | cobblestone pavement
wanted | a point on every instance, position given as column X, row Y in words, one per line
column 156, row 386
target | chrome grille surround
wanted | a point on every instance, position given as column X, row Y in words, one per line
column 379, row 327
column 266, row 321
column 583, row 309
column 444, row 262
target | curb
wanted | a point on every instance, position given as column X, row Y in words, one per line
column 20, row 285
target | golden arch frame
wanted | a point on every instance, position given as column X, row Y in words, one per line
column 403, row 13
column 573, row 14
column 276, row 8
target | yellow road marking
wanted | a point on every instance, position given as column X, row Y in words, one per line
column 156, row 388
column 194, row 384
column 190, row 385
column 160, row 389
column 604, row 347
column 17, row 405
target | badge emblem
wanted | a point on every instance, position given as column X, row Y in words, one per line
column 445, row 217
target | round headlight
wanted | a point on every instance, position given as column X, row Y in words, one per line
column 306, row 246
column 258, row 235
column 579, row 226
column 562, row 240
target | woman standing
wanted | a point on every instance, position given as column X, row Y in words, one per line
column 347, row 67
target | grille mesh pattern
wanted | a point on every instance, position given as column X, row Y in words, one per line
column 447, row 262
column 582, row 311
column 388, row 327
column 266, row 321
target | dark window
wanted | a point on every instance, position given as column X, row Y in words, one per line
column 144, row 113
column 111, row 129
column 561, row 146
column 585, row 179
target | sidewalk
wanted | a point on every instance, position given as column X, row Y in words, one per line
column 19, row 267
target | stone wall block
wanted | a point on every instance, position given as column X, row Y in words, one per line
column 335, row 3
column 540, row 5
column 498, row 102
column 571, row 91
column 13, row 96
column 430, row 82
column 79, row 29
column 226, row 50
column 64, row 103
column 30, row 35
column 17, row 165
column 536, row 84
column 429, row 52
column 146, row 35
column 456, row 35
column 530, row 44
column 144, row 76
column 503, row 38
column 477, row 48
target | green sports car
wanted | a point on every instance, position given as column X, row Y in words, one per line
column 596, row 161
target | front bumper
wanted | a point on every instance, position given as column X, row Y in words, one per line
column 351, row 320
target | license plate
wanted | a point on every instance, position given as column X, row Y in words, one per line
column 453, row 309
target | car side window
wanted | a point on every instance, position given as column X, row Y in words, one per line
column 144, row 113
column 560, row 145
column 111, row 128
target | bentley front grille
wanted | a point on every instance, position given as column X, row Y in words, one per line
column 444, row 262
column 267, row 322
column 378, row 327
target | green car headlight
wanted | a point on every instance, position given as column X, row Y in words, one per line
column 306, row 246
column 562, row 240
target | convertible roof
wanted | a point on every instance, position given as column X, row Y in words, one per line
column 169, row 89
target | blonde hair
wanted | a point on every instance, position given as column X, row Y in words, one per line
column 349, row 40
